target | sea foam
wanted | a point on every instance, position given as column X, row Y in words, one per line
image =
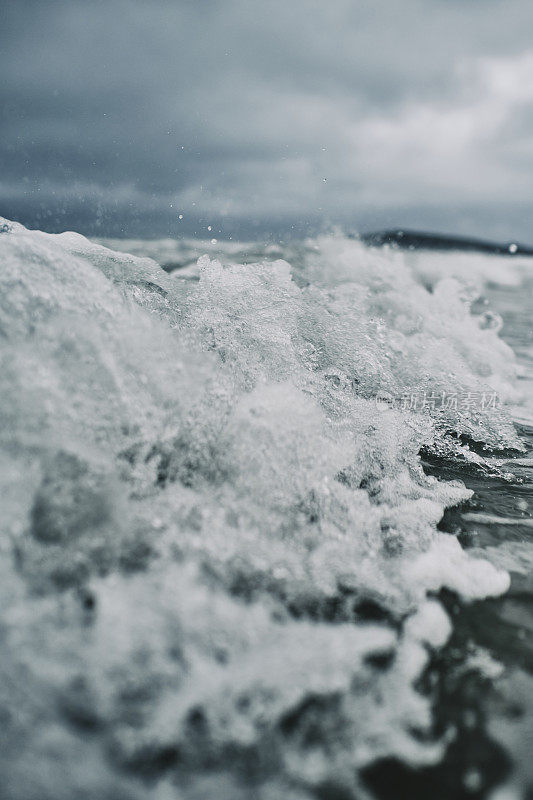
column 220, row 550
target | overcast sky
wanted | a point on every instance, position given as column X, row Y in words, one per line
column 119, row 116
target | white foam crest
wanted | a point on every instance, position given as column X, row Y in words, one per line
column 222, row 439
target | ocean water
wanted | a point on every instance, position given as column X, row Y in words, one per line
column 266, row 526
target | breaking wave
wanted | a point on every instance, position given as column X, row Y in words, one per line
column 220, row 558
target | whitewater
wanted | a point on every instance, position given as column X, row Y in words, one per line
column 248, row 503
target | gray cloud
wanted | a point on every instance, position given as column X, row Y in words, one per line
column 118, row 114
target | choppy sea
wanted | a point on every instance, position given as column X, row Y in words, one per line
column 267, row 522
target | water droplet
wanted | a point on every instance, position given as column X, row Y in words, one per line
column 472, row 780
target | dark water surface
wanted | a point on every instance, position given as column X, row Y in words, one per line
column 487, row 712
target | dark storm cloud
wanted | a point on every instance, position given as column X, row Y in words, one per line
column 373, row 111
